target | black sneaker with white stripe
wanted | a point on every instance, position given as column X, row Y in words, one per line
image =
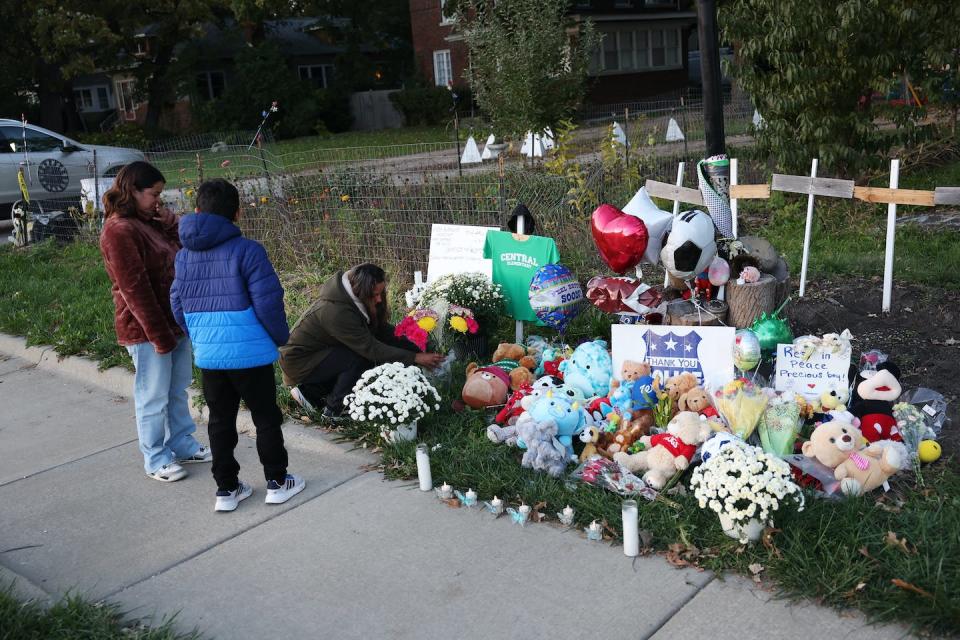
column 278, row 493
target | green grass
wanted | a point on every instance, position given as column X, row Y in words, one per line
column 74, row 618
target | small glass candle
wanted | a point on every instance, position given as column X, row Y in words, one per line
column 594, row 531
column 495, row 506
column 445, row 491
column 470, row 498
column 566, row 516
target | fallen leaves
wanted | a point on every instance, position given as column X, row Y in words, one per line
column 767, row 539
column 891, row 540
column 755, row 570
column 906, row 586
column 683, row 555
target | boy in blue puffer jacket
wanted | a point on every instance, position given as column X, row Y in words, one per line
column 227, row 297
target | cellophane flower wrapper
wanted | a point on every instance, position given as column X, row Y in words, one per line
column 608, row 474
column 780, row 425
column 741, row 405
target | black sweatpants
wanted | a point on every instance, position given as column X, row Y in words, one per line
column 223, row 389
column 332, row 380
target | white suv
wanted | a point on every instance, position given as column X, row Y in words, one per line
column 56, row 163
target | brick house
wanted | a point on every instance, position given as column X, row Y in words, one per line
column 644, row 49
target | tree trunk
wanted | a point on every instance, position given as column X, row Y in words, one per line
column 750, row 299
column 157, row 85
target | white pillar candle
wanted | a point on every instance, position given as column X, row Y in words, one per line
column 631, row 536
column 423, row 468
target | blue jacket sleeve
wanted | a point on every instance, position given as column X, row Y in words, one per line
column 266, row 293
column 175, row 303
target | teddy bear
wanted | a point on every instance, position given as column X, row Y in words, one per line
column 698, row 401
column 678, row 385
column 589, row 437
column 667, row 453
column 507, row 433
column 546, row 431
column 513, row 359
column 590, row 369
column 485, row 386
column 836, row 445
column 872, row 402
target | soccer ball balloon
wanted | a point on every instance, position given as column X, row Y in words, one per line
column 690, row 247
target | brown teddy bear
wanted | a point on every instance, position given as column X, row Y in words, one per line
column 513, row 359
column 622, row 399
column 836, row 444
column 667, row 453
column 485, row 386
column 677, row 386
column 698, row 401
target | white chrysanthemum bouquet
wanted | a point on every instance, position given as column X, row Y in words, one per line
column 392, row 395
column 743, row 483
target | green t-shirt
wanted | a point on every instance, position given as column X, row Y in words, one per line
column 514, row 263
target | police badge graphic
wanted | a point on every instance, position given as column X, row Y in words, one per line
column 671, row 355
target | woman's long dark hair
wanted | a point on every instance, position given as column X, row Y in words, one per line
column 136, row 176
column 363, row 279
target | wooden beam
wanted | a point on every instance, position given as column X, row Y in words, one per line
column 946, row 195
column 673, row 192
column 813, row 186
column 894, row 196
column 750, row 191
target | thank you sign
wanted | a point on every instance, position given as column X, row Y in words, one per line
column 810, row 372
column 706, row 352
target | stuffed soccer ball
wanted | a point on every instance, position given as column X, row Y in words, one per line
column 690, row 247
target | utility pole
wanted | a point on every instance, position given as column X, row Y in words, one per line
column 710, row 76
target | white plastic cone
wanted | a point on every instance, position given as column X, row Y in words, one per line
column 757, row 120
column 674, row 134
column 618, row 134
column 471, row 154
column 487, row 155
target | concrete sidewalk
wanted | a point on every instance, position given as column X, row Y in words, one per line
column 352, row 556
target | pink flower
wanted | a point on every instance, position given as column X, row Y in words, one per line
column 472, row 325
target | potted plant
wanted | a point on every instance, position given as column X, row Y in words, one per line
column 477, row 302
column 744, row 486
column 392, row 397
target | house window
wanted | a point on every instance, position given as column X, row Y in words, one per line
column 319, row 74
column 442, row 70
column 444, row 20
column 140, row 47
column 83, row 99
column 623, row 4
column 210, row 85
column 640, row 49
column 103, row 98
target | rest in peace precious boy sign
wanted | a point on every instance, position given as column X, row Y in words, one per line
column 706, row 352
column 822, row 371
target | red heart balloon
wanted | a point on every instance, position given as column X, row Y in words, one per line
column 620, row 238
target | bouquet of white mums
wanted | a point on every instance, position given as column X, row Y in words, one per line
column 392, row 395
column 741, row 484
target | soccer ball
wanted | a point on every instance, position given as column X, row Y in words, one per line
column 690, row 247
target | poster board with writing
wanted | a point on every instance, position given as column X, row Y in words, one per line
column 457, row 248
column 706, row 352
column 822, row 371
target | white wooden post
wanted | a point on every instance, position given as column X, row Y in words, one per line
column 676, row 212
column 733, row 201
column 806, row 233
column 891, row 237
column 521, row 228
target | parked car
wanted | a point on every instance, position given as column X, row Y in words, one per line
column 56, row 164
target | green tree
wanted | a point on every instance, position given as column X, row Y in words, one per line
column 811, row 68
column 528, row 61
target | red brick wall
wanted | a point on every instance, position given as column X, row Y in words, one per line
column 429, row 36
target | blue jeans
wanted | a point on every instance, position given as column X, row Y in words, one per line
column 164, row 424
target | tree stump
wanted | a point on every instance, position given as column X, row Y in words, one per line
column 750, row 299
column 684, row 313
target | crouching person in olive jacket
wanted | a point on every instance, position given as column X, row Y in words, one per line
column 344, row 333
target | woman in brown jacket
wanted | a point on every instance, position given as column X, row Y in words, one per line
column 139, row 242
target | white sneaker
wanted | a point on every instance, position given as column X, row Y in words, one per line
column 170, row 472
column 228, row 500
column 297, row 395
column 278, row 493
column 203, row 454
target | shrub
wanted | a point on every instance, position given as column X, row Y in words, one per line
column 423, row 105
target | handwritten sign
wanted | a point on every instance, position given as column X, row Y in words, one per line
column 706, row 352
column 457, row 249
column 822, row 371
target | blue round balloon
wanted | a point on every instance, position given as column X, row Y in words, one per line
column 555, row 296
